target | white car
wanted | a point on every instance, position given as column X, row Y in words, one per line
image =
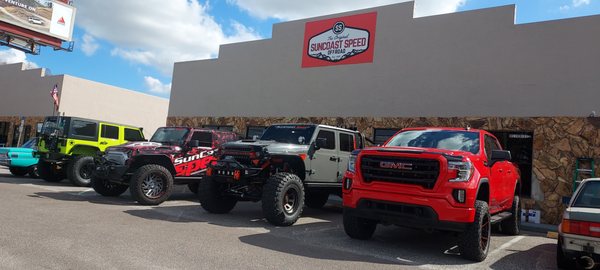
column 579, row 232
column 35, row 20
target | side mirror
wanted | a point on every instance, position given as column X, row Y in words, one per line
column 194, row 143
column 500, row 155
column 320, row 143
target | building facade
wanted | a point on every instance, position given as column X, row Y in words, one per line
column 379, row 70
column 26, row 101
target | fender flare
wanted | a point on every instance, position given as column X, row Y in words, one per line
column 483, row 180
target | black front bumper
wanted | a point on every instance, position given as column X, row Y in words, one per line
column 406, row 215
column 224, row 171
column 112, row 172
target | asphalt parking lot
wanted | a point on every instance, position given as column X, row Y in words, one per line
column 56, row 226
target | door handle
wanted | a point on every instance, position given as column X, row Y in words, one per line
column 509, row 171
column 103, row 143
column 334, row 159
column 500, row 170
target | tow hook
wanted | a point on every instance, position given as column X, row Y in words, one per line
column 586, row 262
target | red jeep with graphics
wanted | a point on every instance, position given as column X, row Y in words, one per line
column 445, row 179
column 174, row 156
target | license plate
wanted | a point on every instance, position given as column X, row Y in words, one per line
column 3, row 155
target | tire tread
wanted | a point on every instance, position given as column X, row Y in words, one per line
column 271, row 205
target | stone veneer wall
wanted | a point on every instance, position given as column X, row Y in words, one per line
column 16, row 120
column 558, row 141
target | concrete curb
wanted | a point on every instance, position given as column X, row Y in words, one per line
column 540, row 228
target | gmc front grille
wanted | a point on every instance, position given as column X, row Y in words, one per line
column 412, row 171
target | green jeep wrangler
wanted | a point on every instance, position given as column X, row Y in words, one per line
column 68, row 145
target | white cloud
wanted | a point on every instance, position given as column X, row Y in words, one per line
column 434, row 7
column 564, row 8
column 291, row 10
column 158, row 33
column 577, row 3
column 89, row 45
column 156, row 86
column 12, row 56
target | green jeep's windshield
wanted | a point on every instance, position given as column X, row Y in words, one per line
column 294, row 134
column 31, row 143
column 454, row 140
column 170, row 136
column 51, row 126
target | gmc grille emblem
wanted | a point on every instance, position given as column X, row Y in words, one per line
column 396, row 165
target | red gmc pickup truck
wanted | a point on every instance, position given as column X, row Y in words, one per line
column 447, row 179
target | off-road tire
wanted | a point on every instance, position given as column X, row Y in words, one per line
column 511, row 225
column 211, row 198
column 475, row 241
column 146, row 174
column 316, row 199
column 18, row 171
column 106, row 188
column 193, row 187
column 283, row 199
column 33, row 171
column 359, row 228
column 79, row 171
column 562, row 262
column 47, row 173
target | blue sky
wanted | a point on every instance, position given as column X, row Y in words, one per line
column 136, row 52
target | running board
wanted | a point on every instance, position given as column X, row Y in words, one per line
column 500, row 217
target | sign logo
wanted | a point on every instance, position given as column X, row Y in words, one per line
column 339, row 41
column 396, row 165
column 61, row 21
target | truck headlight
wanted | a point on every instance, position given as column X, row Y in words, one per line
column 352, row 164
column 460, row 171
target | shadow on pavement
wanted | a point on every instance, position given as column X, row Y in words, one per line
column 526, row 259
column 11, row 179
column 125, row 199
column 319, row 234
column 73, row 197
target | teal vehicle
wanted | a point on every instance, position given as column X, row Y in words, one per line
column 20, row 160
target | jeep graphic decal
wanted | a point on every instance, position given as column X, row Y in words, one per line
column 194, row 162
column 337, row 41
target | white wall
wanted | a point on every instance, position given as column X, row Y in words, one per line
column 26, row 92
column 88, row 99
column 474, row 63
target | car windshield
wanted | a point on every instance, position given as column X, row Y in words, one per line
column 31, row 143
column 172, row 136
column 588, row 196
column 294, row 134
column 454, row 140
column 51, row 127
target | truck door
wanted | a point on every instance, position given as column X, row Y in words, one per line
column 347, row 145
column 324, row 165
column 196, row 158
column 109, row 136
column 497, row 175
